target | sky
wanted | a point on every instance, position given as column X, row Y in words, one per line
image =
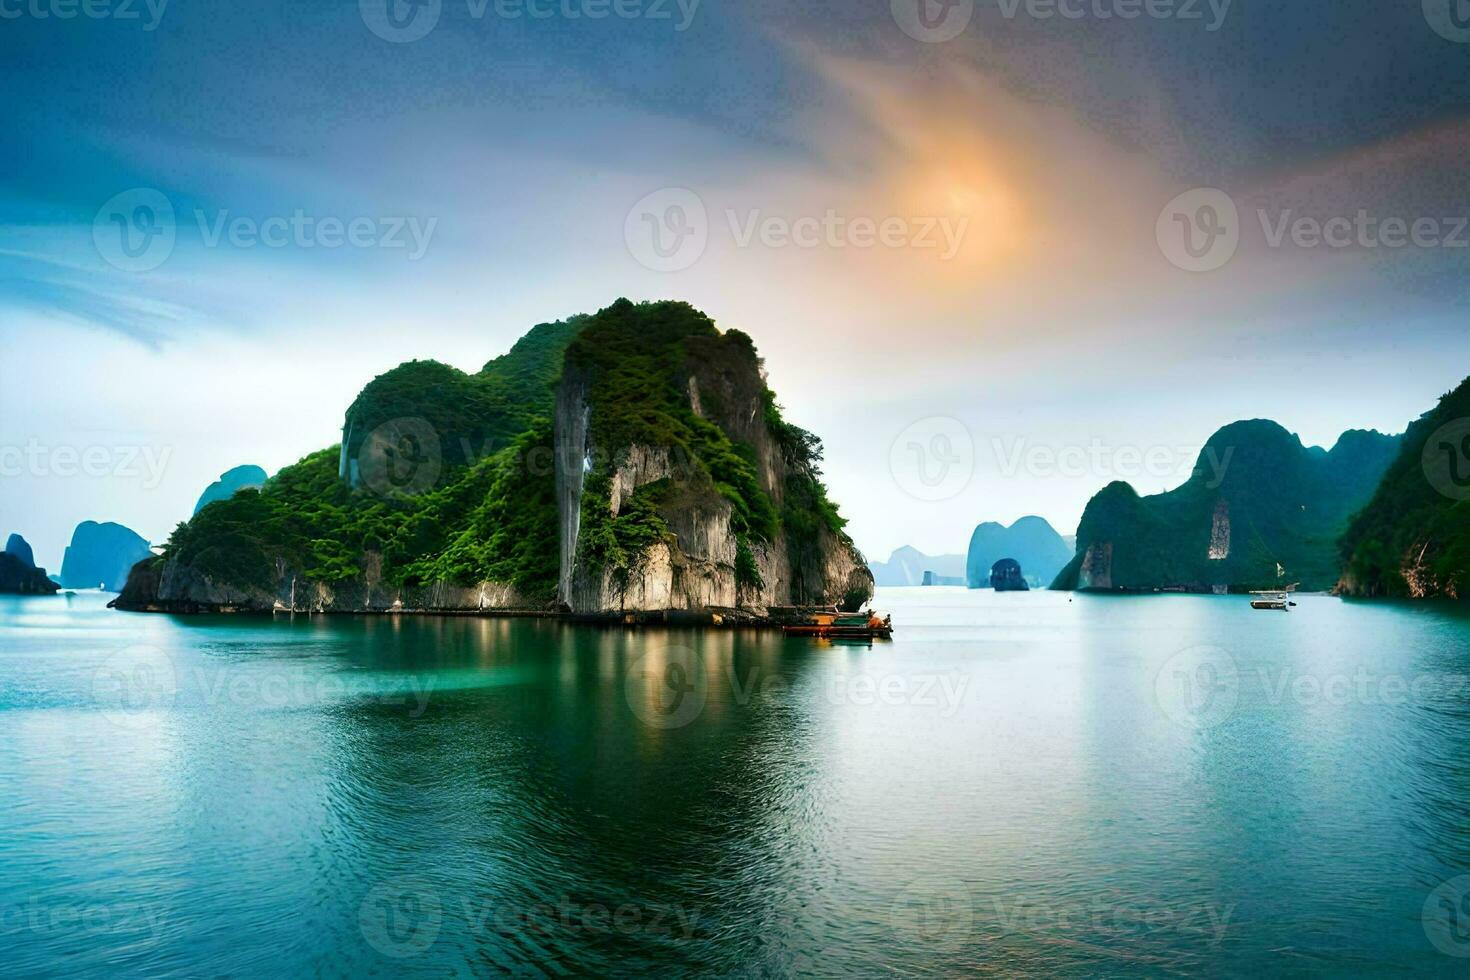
column 996, row 253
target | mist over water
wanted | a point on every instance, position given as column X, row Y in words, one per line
column 1036, row 782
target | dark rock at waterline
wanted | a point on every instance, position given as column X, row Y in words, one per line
column 20, row 548
column 1006, row 576
column 1032, row 541
column 19, row 577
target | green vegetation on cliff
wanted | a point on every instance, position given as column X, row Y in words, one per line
column 640, row 362
column 486, row 515
column 448, row 477
column 1257, row 498
column 1413, row 538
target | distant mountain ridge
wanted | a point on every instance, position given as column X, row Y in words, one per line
column 1257, row 500
column 230, row 482
column 101, row 555
column 908, row 565
column 1031, row 541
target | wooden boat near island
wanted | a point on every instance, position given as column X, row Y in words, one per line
column 829, row 623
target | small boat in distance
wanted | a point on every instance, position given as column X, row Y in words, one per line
column 1279, row 599
column 829, row 623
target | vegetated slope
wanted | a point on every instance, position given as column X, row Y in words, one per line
column 1412, row 540
column 1257, row 501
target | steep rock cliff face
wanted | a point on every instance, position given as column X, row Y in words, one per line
column 724, row 511
column 162, row 585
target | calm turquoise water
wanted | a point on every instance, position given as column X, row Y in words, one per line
column 1017, row 784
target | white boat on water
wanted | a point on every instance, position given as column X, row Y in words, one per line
column 1279, row 599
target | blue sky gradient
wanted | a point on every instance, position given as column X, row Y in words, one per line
column 525, row 141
